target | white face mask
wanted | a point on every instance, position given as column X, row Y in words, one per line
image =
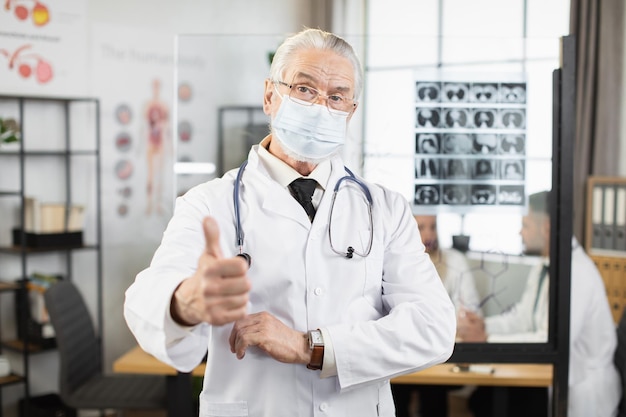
column 309, row 133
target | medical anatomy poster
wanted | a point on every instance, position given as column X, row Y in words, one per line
column 43, row 50
column 470, row 140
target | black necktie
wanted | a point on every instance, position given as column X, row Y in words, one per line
column 302, row 190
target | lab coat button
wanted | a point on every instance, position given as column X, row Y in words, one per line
column 318, row 291
column 323, row 407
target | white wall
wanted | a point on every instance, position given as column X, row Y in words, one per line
column 166, row 19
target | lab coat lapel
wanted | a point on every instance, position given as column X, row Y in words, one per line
column 279, row 201
column 338, row 170
column 272, row 197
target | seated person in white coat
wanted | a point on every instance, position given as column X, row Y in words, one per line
column 451, row 265
column 339, row 296
column 457, row 277
column 594, row 383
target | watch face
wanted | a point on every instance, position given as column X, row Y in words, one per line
column 316, row 338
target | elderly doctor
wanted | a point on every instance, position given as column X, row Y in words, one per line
column 337, row 298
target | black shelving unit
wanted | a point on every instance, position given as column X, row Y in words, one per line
column 72, row 147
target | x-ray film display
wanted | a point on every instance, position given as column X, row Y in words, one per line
column 470, row 144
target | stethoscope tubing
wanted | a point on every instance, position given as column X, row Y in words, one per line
column 349, row 251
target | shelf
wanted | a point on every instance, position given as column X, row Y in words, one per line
column 50, row 153
column 11, row 379
column 9, row 286
column 17, row 250
column 18, row 346
column 70, row 142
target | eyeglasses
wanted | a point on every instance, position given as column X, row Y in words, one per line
column 307, row 96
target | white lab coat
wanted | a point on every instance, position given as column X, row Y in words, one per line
column 594, row 384
column 387, row 314
column 458, row 279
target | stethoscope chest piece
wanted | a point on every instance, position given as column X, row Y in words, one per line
column 247, row 257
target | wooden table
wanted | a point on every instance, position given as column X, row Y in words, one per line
column 179, row 389
column 137, row 361
column 503, row 375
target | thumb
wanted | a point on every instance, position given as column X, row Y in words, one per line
column 212, row 237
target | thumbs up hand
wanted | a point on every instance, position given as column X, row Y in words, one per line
column 217, row 293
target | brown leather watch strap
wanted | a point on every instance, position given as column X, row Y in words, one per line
column 317, row 358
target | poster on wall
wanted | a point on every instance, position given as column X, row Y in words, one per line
column 133, row 77
column 470, row 145
column 43, row 48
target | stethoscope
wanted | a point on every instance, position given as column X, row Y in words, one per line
column 348, row 253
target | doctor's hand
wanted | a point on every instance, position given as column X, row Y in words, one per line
column 217, row 293
column 470, row 327
column 269, row 334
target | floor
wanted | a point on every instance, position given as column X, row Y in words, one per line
column 457, row 403
column 129, row 413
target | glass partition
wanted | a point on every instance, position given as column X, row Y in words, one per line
column 431, row 106
column 220, row 82
column 466, row 138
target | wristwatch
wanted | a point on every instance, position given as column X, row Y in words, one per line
column 316, row 344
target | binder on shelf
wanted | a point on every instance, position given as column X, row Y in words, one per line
column 605, row 222
column 597, row 229
column 32, row 214
column 608, row 217
column 620, row 219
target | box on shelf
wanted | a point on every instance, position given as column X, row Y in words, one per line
column 39, row 240
column 40, row 217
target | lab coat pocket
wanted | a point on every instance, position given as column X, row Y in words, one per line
column 233, row 409
column 372, row 289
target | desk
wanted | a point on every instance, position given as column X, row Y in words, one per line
column 179, row 384
column 504, row 375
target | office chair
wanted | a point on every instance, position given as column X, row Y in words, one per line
column 83, row 385
column 620, row 361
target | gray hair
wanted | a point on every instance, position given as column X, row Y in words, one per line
column 315, row 39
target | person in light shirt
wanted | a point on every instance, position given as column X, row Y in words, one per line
column 457, row 278
column 594, row 383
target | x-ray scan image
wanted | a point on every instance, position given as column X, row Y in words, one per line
column 484, row 93
column 455, row 117
column 455, row 194
column 428, row 117
column 426, row 168
column 485, row 144
column 512, row 170
column 513, row 93
column 428, row 91
column 457, row 144
column 456, row 168
column 512, row 119
column 512, row 144
column 456, row 92
column 426, row 195
column 427, row 143
column 483, row 194
column 484, row 169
